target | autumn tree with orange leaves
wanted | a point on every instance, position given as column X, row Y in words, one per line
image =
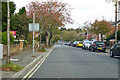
column 103, row 27
column 50, row 14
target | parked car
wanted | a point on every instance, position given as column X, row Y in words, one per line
column 80, row 44
column 115, row 50
column 65, row 43
column 75, row 43
column 97, row 45
column 86, row 45
column 71, row 43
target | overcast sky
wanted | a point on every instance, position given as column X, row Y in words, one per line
column 84, row 10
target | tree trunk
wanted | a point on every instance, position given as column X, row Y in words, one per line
column 47, row 39
column 101, row 37
column 40, row 41
column 50, row 39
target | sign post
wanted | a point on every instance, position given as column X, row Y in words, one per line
column 33, row 27
column 33, row 30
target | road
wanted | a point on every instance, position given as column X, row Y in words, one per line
column 71, row 62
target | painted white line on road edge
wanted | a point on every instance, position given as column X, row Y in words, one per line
column 39, row 63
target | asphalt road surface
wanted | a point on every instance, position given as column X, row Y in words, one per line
column 71, row 62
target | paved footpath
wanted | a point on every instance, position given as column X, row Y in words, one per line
column 25, row 58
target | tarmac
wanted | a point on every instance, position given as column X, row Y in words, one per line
column 25, row 59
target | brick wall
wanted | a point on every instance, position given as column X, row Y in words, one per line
column 13, row 48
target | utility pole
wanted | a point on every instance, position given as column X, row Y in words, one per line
column 116, row 23
column 8, row 34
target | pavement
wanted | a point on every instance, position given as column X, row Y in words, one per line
column 25, row 59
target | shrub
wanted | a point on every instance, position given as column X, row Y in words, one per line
column 41, row 50
column 4, row 38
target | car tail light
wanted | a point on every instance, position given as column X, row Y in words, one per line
column 104, row 45
column 94, row 44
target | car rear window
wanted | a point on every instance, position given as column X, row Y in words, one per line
column 88, row 42
column 118, row 45
column 80, row 42
column 99, row 42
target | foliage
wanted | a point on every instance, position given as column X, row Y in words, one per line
column 20, row 24
column 4, row 14
column 41, row 50
column 56, row 31
column 78, row 30
column 22, row 11
column 50, row 15
column 62, row 29
column 69, row 35
column 56, row 37
column 113, row 36
column 11, row 67
column 30, row 38
column 4, row 38
column 102, row 27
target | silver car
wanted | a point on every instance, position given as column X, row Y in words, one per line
column 86, row 45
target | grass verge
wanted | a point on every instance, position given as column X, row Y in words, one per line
column 11, row 67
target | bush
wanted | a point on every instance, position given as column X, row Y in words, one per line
column 4, row 38
column 42, row 50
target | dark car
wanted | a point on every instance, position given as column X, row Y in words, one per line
column 97, row 45
column 115, row 50
column 71, row 43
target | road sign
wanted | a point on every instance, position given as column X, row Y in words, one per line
column 34, row 27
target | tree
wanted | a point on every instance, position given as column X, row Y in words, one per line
column 69, row 35
column 103, row 27
column 19, row 22
column 50, row 14
column 4, row 14
column 22, row 11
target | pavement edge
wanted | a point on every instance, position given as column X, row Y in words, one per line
column 31, row 64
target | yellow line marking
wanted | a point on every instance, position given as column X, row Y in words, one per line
column 38, row 66
column 39, row 63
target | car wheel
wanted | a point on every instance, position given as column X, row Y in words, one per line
column 89, row 50
column 111, row 54
column 84, row 48
column 104, row 51
column 92, row 49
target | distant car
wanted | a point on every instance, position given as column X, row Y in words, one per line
column 86, row 45
column 71, row 43
column 97, row 45
column 115, row 50
column 80, row 44
column 75, row 43
column 65, row 43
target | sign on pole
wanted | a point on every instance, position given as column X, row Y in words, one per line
column 33, row 27
column 36, row 26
